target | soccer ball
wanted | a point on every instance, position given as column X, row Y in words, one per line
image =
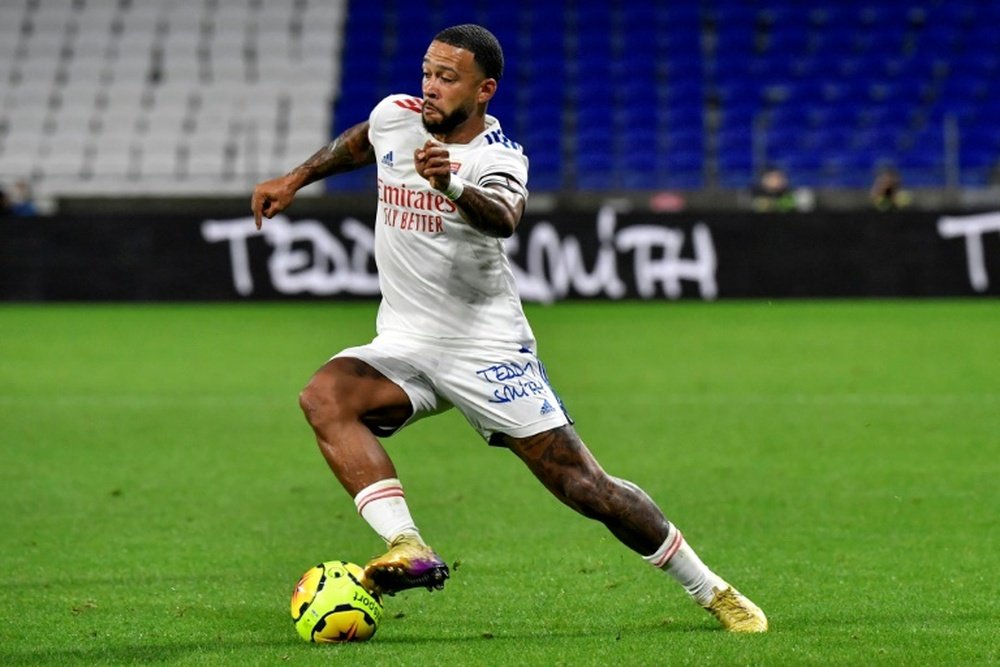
column 329, row 604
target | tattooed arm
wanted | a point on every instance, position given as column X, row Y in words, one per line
column 493, row 209
column 348, row 151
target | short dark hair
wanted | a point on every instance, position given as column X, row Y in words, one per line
column 480, row 42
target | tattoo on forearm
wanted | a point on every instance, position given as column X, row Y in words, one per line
column 491, row 211
column 348, row 151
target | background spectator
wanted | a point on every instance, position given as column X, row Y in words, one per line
column 772, row 192
column 22, row 201
column 887, row 193
column 4, row 204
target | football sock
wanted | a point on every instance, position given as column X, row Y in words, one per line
column 383, row 506
column 678, row 559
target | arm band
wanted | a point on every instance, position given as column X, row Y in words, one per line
column 455, row 188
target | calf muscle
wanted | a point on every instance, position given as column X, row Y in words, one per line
column 562, row 462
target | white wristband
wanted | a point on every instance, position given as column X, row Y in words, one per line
column 455, row 188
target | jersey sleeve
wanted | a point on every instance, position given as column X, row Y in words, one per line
column 504, row 166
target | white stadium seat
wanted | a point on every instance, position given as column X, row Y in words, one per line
column 78, row 95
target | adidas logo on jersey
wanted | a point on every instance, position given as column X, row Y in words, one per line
column 387, row 159
column 546, row 408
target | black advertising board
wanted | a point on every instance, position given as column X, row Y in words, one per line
column 602, row 254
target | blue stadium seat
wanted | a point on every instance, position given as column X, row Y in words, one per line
column 626, row 86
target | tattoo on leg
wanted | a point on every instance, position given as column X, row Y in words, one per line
column 361, row 369
column 561, row 461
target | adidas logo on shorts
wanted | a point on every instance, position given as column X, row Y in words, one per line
column 546, row 408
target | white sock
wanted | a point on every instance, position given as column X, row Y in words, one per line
column 383, row 506
column 678, row 559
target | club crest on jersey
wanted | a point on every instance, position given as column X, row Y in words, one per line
column 455, row 166
column 387, row 159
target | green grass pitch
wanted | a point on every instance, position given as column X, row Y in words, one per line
column 837, row 461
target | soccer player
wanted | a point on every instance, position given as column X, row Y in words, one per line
column 451, row 331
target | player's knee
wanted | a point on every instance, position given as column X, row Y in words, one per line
column 310, row 402
column 320, row 401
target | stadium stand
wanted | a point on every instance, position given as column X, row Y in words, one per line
column 831, row 90
column 208, row 96
column 648, row 95
column 603, row 96
column 163, row 96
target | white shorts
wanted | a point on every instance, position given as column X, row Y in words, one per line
column 499, row 387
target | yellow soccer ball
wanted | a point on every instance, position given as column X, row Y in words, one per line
column 329, row 604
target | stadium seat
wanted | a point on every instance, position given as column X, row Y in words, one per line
column 707, row 83
column 135, row 78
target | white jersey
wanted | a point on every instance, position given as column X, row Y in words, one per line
column 439, row 277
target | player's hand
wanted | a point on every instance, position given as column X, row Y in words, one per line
column 270, row 198
column 433, row 162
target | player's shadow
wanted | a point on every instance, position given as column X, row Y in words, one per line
column 523, row 635
column 168, row 653
column 132, row 654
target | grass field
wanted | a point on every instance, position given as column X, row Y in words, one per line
column 837, row 461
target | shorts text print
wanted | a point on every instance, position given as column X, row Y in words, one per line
column 514, row 380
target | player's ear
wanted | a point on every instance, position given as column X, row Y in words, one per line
column 487, row 89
